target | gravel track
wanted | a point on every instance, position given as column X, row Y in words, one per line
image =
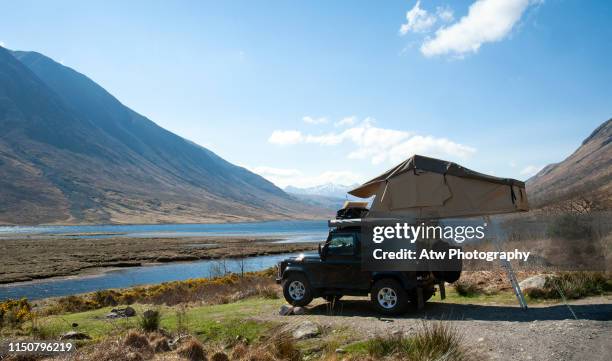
column 495, row 332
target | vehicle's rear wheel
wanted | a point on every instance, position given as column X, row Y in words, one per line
column 389, row 297
column 332, row 298
column 296, row 290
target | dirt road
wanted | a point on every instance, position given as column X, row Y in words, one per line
column 495, row 332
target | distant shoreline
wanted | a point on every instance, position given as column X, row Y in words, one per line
column 28, row 260
column 204, row 221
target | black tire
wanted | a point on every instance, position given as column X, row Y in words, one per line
column 297, row 290
column 389, row 297
column 332, row 298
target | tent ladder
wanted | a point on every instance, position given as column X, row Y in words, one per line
column 507, row 266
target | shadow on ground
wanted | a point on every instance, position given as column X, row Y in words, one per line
column 446, row 311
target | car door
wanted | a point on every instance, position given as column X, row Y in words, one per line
column 342, row 262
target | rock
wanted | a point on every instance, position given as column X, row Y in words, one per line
column 340, row 351
column 537, row 281
column 129, row 312
column 121, row 312
column 74, row 335
column 307, row 329
column 285, row 310
column 299, row 310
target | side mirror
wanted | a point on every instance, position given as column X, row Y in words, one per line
column 322, row 251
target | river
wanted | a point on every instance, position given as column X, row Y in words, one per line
column 286, row 231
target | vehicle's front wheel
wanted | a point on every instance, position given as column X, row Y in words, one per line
column 296, row 290
column 389, row 297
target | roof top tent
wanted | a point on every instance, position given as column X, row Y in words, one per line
column 427, row 188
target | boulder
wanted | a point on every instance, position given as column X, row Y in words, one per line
column 74, row 335
column 121, row 312
column 129, row 312
column 299, row 310
column 305, row 330
column 285, row 310
column 537, row 281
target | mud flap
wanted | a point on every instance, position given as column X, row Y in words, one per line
column 442, row 289
column 420, row 301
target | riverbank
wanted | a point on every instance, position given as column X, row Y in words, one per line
column 26, row 259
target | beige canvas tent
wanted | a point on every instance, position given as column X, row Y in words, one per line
column 422, row 187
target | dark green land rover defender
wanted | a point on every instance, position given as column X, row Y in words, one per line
column 336, row 271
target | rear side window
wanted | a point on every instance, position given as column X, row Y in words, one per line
column 342, row 244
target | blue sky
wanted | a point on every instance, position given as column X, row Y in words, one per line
column 306, row 92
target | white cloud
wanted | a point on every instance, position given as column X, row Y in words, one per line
column 312, row 120
column 345, row 121
column 418, row 20
column 293, row 177
column 445, row 13
column 285, row 137
column 379, row 144
column 2, row 43
column 530, row 170
column 487, row 21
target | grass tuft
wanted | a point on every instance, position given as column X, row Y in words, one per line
column 192, row 350
column 149, row 321
column 433, row 341
column 136, row 340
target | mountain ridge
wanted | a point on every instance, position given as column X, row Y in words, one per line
column 586, row 173
column 73, row 153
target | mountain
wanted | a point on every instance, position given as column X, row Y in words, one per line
column 328, row 190
column 70, row 152
column 329, row 196
column 586, row 173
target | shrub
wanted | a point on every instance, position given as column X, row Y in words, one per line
column 225, row 289
column 149, row 321
column 15, row 312
column 573, row 285
column 269, row 292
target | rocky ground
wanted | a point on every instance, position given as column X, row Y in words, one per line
column 495, row 332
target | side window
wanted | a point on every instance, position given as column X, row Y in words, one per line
column 341, row 245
